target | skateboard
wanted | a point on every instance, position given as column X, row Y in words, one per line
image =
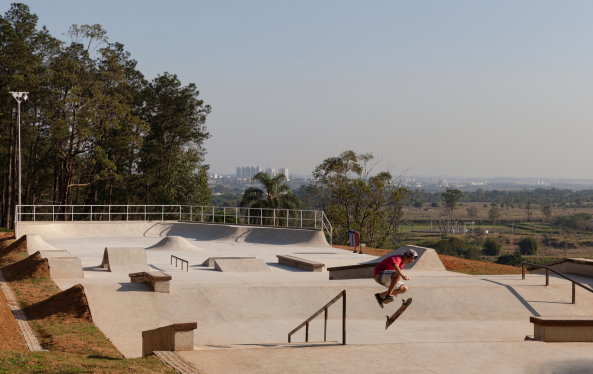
column 405, row 304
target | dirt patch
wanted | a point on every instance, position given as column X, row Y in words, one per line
column 10, row 245
column 10, row 333
column 33, row 266
column 71, row 302
column 462, row 265
column 6, row 235
column 365, row 250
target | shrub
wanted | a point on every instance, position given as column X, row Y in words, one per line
column 528, row 246
column 513, row 260
column 491, row 247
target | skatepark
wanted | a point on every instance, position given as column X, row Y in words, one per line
column 227, row 278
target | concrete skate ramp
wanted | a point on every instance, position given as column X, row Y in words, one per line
column 35, row 243
column 240, row 265
column 197, row 231
column 65, row 267
column 446, row 309
column 124, row 259
column 173, row 243
column 57, row 253
column 428, row 260
column 210, row 260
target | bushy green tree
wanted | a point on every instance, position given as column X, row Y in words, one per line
column 491, row 247
column 371, row 204
column 513, row 260
column 528, row 246
column 276, row 194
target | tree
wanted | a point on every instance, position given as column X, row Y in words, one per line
column 472, row 212
column 491, row 247
column 370, row 204
column 528, row 210
column 494, row 213
column 547, row 211
column 275, row 195
column 450, row 197
column 528, row 246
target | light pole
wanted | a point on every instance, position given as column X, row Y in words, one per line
column 19, row 97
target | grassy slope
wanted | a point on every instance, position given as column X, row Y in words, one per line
column 74, row 345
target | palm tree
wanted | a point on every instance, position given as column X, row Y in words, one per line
column 275, row 195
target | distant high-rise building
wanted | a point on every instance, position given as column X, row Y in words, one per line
column 238, row 174
column 284, row 172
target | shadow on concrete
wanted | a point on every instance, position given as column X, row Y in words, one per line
column 95, row 268
column 567, row 366
column 138, row 287
column 518, row 296
column 286, row 267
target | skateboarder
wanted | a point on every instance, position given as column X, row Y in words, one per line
column 388, row 273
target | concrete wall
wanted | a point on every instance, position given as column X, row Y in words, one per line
column 198, row 231
column 176, row 337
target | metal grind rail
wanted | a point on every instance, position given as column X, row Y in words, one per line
column 182, row 261
column 527, row 266
column 305, row 324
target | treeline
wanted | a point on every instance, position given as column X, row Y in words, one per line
column 93, row 130
column 517, row 198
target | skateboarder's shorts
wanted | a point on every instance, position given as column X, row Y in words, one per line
column 384, row 279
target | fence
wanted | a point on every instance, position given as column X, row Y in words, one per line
column 292, row 218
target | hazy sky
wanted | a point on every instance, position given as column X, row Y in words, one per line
column 458, row 88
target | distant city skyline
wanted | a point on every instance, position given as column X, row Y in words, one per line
column 493, row 88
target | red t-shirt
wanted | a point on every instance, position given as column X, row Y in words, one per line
column 389, row 264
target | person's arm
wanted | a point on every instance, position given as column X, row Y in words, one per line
column 398, row 270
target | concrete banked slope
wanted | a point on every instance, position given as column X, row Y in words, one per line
column 260, row 308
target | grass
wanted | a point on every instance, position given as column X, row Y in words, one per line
column 74, row 345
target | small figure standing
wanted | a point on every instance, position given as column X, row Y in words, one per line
column 388, row 273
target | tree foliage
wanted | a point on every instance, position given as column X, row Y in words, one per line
column 357, row 200
column 491, row 247
column 528, row 246
column 275, row 195
column 94, row 130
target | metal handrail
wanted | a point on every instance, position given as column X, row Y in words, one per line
column 182, row 261
column 548, row 269
column 310, row 219
column 324, row 308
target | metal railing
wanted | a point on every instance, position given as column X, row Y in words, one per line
column 292, row 218
column 527, row 266
column 324, row 309
column 182, row 262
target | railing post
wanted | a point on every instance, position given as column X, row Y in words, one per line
column 202, row 214
column 110, row 213
column 301, row 219
column 34, row 214
column 72, row 211
column 191, row 213
column 224, row 215
column 325, row 326
column 344, row 318
column 180, row 214
column 213, row 220
column 53, row 213
column 522, row 271
column 287, row 216
column 91, row 213
column 307, row 333
column 573, row 294
column 236, row 216
column 145, row 212
column 274, row 220
column 547, row 278
column 162, row 213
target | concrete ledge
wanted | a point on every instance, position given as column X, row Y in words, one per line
column 210, row 261
column 300, row 263
column 548, row 329
column 65, row 267
column 175, row 337
column 361, row 271
column 158, row 280
column 242, row 265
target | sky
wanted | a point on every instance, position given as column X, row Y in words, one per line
column 460, row 88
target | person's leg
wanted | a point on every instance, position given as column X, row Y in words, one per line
column 393, row 289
